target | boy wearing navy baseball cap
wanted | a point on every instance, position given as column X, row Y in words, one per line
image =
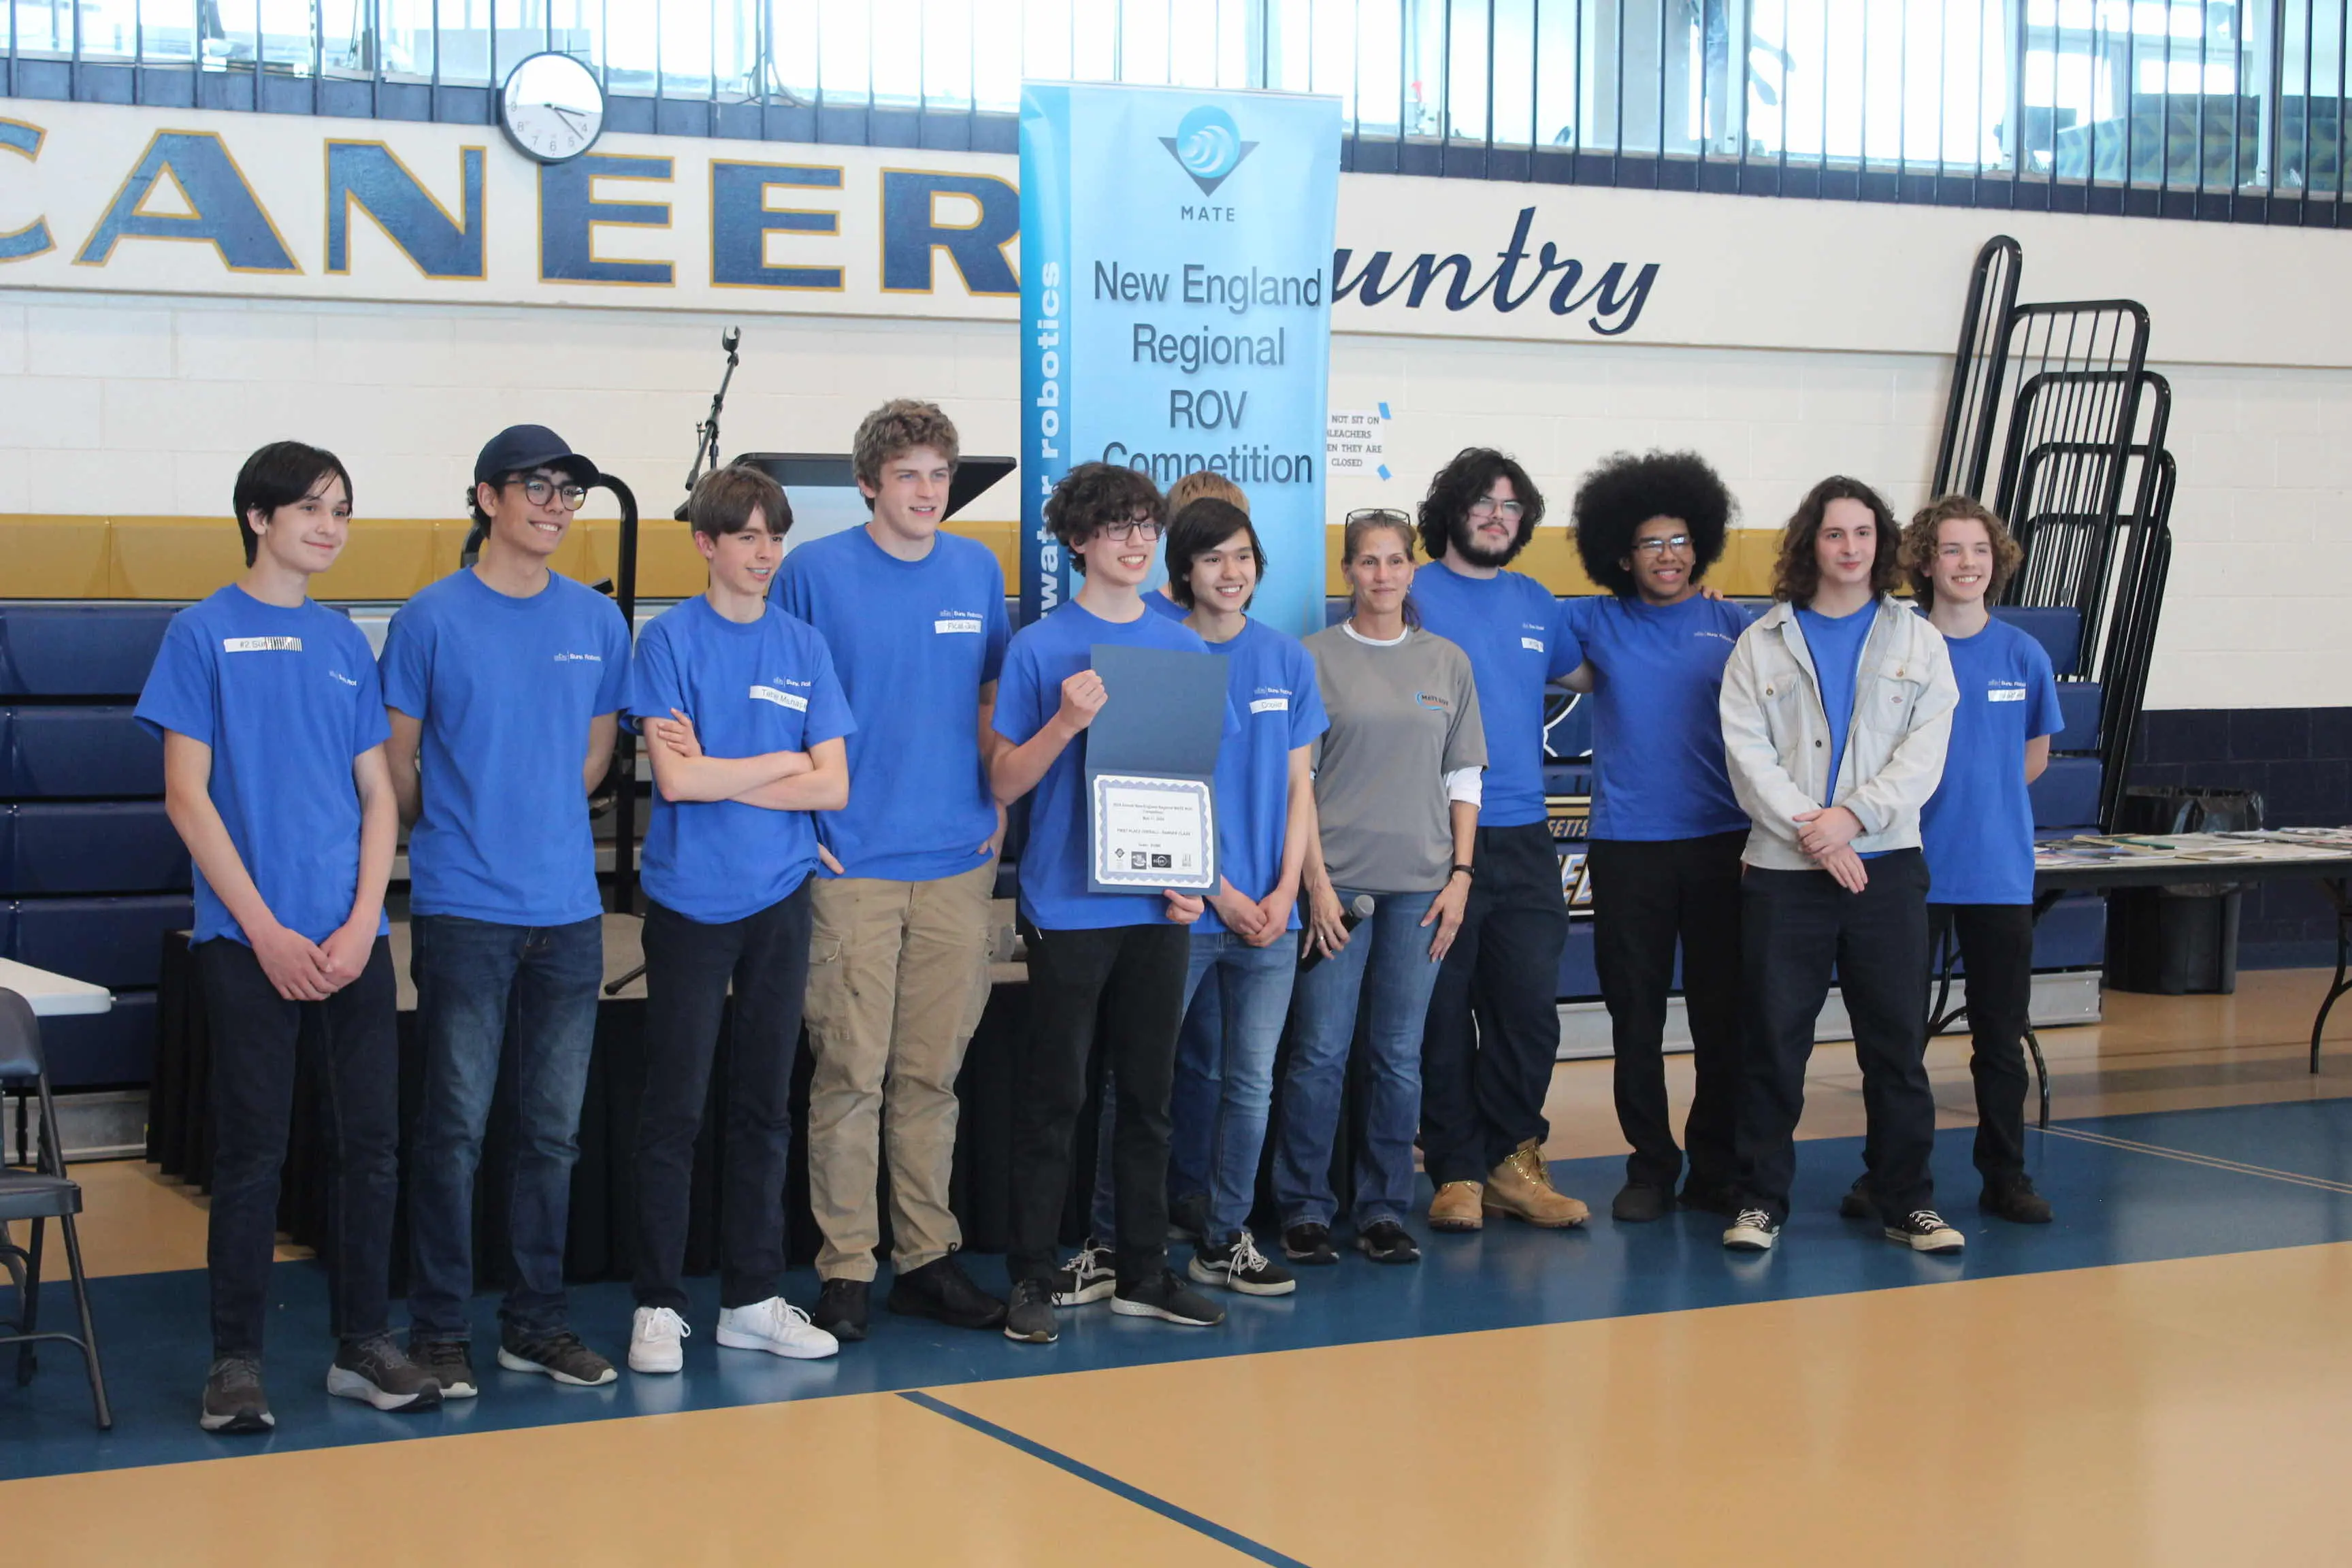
column 504, row 681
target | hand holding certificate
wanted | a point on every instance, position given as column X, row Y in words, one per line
column 1151, row 753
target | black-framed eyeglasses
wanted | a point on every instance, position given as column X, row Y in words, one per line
column 1679, row 543
column 540, row 491
column 1146, row 529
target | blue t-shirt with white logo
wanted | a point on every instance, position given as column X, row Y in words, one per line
column 751, row 687
column 1042, row 655
column 286, row 699
column 1657, row 730
column 912, row 643
column 505, row 688
column 1270, row 681
column 1518, row 640
column 1977, row 827
column 1836, row 643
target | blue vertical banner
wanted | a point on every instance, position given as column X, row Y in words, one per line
column 1176, row 310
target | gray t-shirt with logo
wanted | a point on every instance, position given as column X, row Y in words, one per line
column 1403, row 716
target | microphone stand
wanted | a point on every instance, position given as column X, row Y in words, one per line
column 705, row 434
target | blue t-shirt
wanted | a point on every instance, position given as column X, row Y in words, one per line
column 751, row 687
column 1161, row 603
column 1041, row 656
column 1657, row 731
column 286, row 700
column 1270, row 681
column 1977, row 827
column 505, row 688
column 1835, row 642
column 1518, row 640
column 912, row 643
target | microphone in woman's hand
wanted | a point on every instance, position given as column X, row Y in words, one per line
column 1354, row 915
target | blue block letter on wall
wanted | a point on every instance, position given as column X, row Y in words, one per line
column 911, row 231
column 570, row 215
column 372, row 176
column 220, row 208
column 742, row 220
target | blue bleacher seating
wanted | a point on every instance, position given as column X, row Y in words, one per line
column 53, row 752
column 89, row 847
column 77, row 649
column 110, row 942
column 2067, row 794
column 2058, row 630
column 2078, row 706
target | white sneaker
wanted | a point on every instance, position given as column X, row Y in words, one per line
column 656, row 1336
column 776, row 1326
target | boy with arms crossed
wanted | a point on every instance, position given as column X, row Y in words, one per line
column 898, row 964
column 743, row 721
column 1119, row 959
column 274, row 773
column 504, row 683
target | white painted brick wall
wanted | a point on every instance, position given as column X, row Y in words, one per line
column 147, row 405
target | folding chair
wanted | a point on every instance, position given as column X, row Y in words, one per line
column 39, row 1195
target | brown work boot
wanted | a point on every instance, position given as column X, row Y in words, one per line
column 1455, row 1206
column 1521, row 1187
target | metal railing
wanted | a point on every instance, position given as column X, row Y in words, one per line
column 2205, row 108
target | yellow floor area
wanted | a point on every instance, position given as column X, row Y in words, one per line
column 2184, row 1413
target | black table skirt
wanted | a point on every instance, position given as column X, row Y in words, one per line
column 602, row 1227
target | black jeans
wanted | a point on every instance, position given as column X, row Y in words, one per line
column 1997, row 949
column 1132, row 979
column 1795, row 926
column 1646, row 898
column 1492, row 1036
column 257, row 1034
column 688, row 967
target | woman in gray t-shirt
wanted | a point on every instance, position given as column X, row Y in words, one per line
column 1396, row 792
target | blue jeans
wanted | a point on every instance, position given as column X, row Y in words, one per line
column 1236, row 999
column 1393, row 945
column 482, row 988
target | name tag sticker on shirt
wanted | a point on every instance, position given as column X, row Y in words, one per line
column 1270, row 705
column 2005, row 694
column 1533, row 645
column 781, row 699
column 943, row 627
column 261, row 644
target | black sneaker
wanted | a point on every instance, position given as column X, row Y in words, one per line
column 233, row 1402
column 1168, row 1298
column 1188, row 1218
column 1088, row 1277
column 559, row 1355
column 1309, row 1243
column 1861, row 1202
column 2015, row 1201
column 840, row 1308
column 1386, row 1241
column 374, row 1369
column 942, row 1289
column 1638, row 1203
column 1029, row 1316
column 1752, row 1230
column 450, row 1363
column 1240, row 1266
column 1924, row 1230
column 1711, row 1198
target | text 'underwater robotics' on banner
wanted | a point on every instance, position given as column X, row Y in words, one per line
column 1176, row 305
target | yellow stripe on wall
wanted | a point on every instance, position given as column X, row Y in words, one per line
column 182, row 558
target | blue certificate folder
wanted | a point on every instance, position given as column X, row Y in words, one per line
column 1158, row 734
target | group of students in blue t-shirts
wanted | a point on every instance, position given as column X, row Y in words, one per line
column 834, row 735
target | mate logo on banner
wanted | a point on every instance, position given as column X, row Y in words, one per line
column 1209, row 145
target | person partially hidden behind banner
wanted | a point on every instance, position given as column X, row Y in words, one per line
column 1976, row 829
column 1245, row 948
column 274, row 775
column 1493, row 1035
column 1666, row 829
column 1109, row 962
column 743, row 722
column 504, row 683
column 1836, row 709
column 903, row 933
column 1397, row 780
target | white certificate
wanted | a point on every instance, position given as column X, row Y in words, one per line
column 1153, row 832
